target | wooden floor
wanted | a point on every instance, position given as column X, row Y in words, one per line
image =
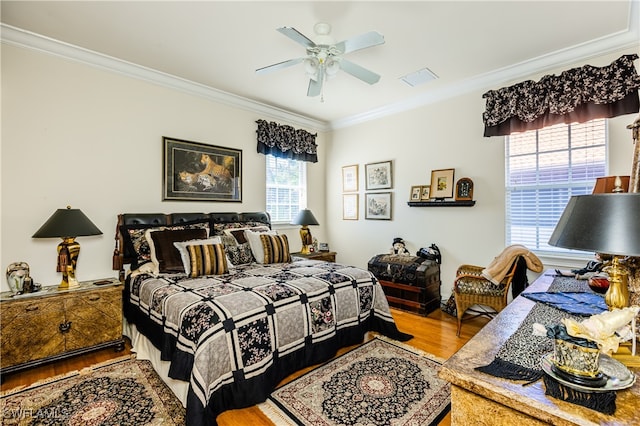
column 435, row 334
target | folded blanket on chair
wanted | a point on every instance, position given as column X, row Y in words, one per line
column 500, row 266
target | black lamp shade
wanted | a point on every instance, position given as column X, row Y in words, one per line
column 305, row 217
column 602, row 223
column 67, row 223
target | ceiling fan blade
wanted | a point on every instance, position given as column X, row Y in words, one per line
column 279, row 66
column 297, row 36
column 359, row 72
column 315, row 87
column 372, row 38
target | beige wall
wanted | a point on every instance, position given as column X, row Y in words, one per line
column 73, row 134
column 76, row 135
column 441, row 136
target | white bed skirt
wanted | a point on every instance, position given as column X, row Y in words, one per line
column 144, row 349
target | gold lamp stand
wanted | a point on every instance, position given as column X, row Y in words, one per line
column 617, row 297
column 307, row 240
column 68, row 251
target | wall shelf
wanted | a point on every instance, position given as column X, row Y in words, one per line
column 465, row 203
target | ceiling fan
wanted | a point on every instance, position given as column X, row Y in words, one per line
column 324, row 56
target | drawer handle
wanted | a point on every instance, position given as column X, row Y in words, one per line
column 32, row 308
column 94, row 298
column 65, row 327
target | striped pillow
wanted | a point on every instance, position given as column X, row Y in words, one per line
column 207, row 259
column 276, row 248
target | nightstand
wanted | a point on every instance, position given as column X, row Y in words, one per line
column 53, row 324
column 327, row 256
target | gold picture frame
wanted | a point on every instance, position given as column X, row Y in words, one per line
column 350, row 178
column 416, row 193
column 425, row 193
column 442, row 183
column 350, row 204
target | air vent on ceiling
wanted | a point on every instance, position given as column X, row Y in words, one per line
column 419, row 77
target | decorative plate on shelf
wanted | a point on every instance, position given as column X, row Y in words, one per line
column 618, row 375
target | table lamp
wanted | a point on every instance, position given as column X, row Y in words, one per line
column 603, row 223
column 305, row 218
column 67, row 224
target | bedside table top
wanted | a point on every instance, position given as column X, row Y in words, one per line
column 51, row 290
column 315, row 253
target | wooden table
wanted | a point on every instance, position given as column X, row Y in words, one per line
column 481, row 399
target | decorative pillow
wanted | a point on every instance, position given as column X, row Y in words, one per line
column 207, row 259
column 238, row 233
column 182, row 247
column 165, row 256
column 135, row 243
column 228, row 240
column 276, row 248
column 219, row 228
column 239, row 254
column 253, row 238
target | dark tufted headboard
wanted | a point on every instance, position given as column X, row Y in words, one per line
column 120, row 257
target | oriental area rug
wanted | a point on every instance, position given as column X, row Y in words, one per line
column 381, row 382
column 123, row 391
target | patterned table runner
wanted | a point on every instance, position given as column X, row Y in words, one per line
column 519, row 357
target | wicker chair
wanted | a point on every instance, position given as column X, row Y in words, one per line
column 471, row 288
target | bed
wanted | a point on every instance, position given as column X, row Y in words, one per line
column 223, row 311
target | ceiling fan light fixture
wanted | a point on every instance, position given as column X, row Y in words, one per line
column 322, row 30
column 332, row 67
column 311, row 65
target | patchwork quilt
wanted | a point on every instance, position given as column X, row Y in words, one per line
column 235, row 336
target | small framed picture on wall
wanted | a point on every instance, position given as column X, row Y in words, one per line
column 350, row 206
column 378, row 175
column 442, row 183
column 378, row 205
column 350, row 178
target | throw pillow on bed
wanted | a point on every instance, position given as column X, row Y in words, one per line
column 238, row 254
column 276, row 248
column 182, row 247
column 238, row 233
column 253, row 238
column 207, row 259
column 165, row 257
column 135, row 243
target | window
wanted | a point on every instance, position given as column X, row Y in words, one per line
column 286, row 188
column 544, row 168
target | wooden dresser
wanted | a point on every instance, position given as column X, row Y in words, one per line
column 51, row 324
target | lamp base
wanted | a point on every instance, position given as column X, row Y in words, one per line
column 68, row 251
column 305, row 236
column 68, row 283
column 617, row 297
column 305, row 250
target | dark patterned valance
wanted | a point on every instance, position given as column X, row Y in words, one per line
column 286, row 142
column 577, row 95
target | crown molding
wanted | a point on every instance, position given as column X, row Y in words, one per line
column 26, row 39
column 628, row 39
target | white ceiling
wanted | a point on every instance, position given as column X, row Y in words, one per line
column 220, row 44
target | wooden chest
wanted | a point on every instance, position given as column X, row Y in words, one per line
column 51, row 324
column 409, row 282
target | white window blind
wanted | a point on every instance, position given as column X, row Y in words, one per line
column 544, row 168
column 286, row 188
